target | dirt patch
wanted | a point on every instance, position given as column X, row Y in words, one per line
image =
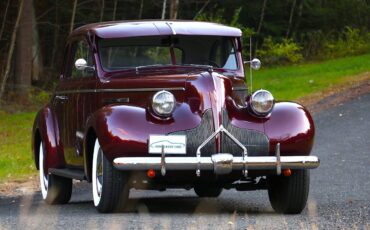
column 19, row 188
column 337, row 95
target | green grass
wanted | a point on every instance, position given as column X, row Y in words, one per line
column 15, row 146
column 286, row 83
column 293, row 82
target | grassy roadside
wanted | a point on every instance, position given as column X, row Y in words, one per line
column 293, row 82
column 286, row 83
column 15, row 146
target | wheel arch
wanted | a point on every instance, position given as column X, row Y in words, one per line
column 89, row 151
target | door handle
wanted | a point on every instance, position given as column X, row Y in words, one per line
column 61, row 97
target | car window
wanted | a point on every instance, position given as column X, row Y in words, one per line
column 132, row 56
column 223, row 54
column 122, row 53
column 80, row 49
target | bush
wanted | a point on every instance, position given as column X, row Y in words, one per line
column 284, row 52
column 349, row 42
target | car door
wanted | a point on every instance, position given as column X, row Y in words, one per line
column 81, row 101
column 60, row 101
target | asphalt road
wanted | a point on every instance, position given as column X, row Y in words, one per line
column 339, row 195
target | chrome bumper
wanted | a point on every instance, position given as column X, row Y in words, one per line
column 220, row 163
column 208, row 163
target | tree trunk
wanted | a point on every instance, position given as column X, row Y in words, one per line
column 291, row 18
column 261, row 17
column 174, row 9
column 24, row 46
column 11, row 49
column 164, row 9
column 4, row 20
column 201, row 9
column 141, row 9
column 114, row 9
column 73, row 16
column 102, row 10
column 56, row 34
column 299, row 17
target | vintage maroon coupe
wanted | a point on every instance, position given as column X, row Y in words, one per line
column 164, row 104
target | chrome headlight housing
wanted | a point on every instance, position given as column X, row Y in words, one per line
column 262, row 102
column 163, row 103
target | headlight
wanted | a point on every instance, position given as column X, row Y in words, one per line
column 262, row 102
column 163, row 103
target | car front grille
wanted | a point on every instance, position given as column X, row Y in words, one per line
column 256, row 142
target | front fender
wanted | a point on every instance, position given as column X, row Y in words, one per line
column 45, row 129
column 291, row 125
column 124, row 130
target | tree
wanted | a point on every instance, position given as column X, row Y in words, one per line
column 73, row 16
column 174, row 8
column 4, row 20
column 164, row 9
column 262, row 16
column 291, row 18
column 11, row 50
column 24, row 46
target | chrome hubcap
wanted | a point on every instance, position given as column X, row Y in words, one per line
column 99, row 173
column 43, row 178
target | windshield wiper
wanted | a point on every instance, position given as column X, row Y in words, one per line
column 208, row 67
column 137, row 68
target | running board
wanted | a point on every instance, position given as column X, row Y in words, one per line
column 77, row 174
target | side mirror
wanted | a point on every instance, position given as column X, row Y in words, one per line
column 81, row 64
column 255, row 63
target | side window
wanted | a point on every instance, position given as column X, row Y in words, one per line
column 80, row 49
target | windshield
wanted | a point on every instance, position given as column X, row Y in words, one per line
column 123, row 53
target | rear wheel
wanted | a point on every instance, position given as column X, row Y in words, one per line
column 54, row 189
column 109, row 185
column 207, row 191
column 289, row 194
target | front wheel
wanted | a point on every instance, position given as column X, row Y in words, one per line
column 54, row 189
column 109, row 185
column 289, row 195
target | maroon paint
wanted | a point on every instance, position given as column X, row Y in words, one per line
column 123, row 129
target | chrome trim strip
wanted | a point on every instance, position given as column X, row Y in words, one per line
column 239, row 88
column 119, row 90
column 206, row 163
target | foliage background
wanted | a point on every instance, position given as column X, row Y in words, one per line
column 284, row 32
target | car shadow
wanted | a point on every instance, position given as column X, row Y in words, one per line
column 151, row 205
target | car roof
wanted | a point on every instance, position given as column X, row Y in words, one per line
column 121, row 29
